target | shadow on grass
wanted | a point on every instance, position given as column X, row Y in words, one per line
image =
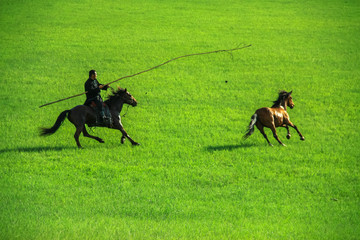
column 229, row 147
column 35, row 149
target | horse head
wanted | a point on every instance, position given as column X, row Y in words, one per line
column 289, row 100
column 124, row 95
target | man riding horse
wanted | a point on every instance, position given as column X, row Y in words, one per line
column 92, row 87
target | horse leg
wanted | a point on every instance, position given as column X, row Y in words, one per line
column 118, row 125
column 79, row 129
column 288, row 136
column 123, row 138
column 273, row 129
column 297, row 130
column 261, row 129
column 86, row 134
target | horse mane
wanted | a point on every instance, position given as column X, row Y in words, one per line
column 114, row 95
column 282, row 95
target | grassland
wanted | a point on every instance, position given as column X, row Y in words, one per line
column 193, row 177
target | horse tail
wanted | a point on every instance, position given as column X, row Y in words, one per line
column 53, row 129
column 251, row 127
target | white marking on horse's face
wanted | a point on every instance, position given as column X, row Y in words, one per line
column 290, row 102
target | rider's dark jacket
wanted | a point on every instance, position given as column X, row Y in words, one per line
column 93, row 91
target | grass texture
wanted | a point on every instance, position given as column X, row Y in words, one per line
column 193, row 177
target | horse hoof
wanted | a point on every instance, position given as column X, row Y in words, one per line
column 271, row 145
column 122, row 140
column 101, row 141
column 302, row 139
column 283, row 145
column 136, row 144
column 288, row 136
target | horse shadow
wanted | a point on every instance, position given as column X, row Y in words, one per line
column 35, row 149
column 229, row 147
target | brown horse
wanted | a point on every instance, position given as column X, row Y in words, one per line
column 81, row 115
column 273, row 117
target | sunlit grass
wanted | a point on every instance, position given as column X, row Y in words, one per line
column 193, row 177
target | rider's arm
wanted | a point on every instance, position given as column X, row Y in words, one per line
column 103, row 87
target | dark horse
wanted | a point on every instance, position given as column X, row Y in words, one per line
column 273, row 117
column 81, row 115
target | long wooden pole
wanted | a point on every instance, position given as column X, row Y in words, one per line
column 147, row 70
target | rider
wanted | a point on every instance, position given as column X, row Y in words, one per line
column 92, row 87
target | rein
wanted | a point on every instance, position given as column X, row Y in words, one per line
column 126, row 111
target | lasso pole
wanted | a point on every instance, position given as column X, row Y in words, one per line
column 152, row 68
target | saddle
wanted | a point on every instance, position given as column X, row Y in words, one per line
column 103, row 119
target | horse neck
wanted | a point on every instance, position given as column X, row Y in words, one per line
column 284, row 104
column 117, row 105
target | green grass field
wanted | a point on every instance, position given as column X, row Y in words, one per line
column 193, row 177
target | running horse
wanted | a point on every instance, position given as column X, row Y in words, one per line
column 81, row 115
column 273, row 117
